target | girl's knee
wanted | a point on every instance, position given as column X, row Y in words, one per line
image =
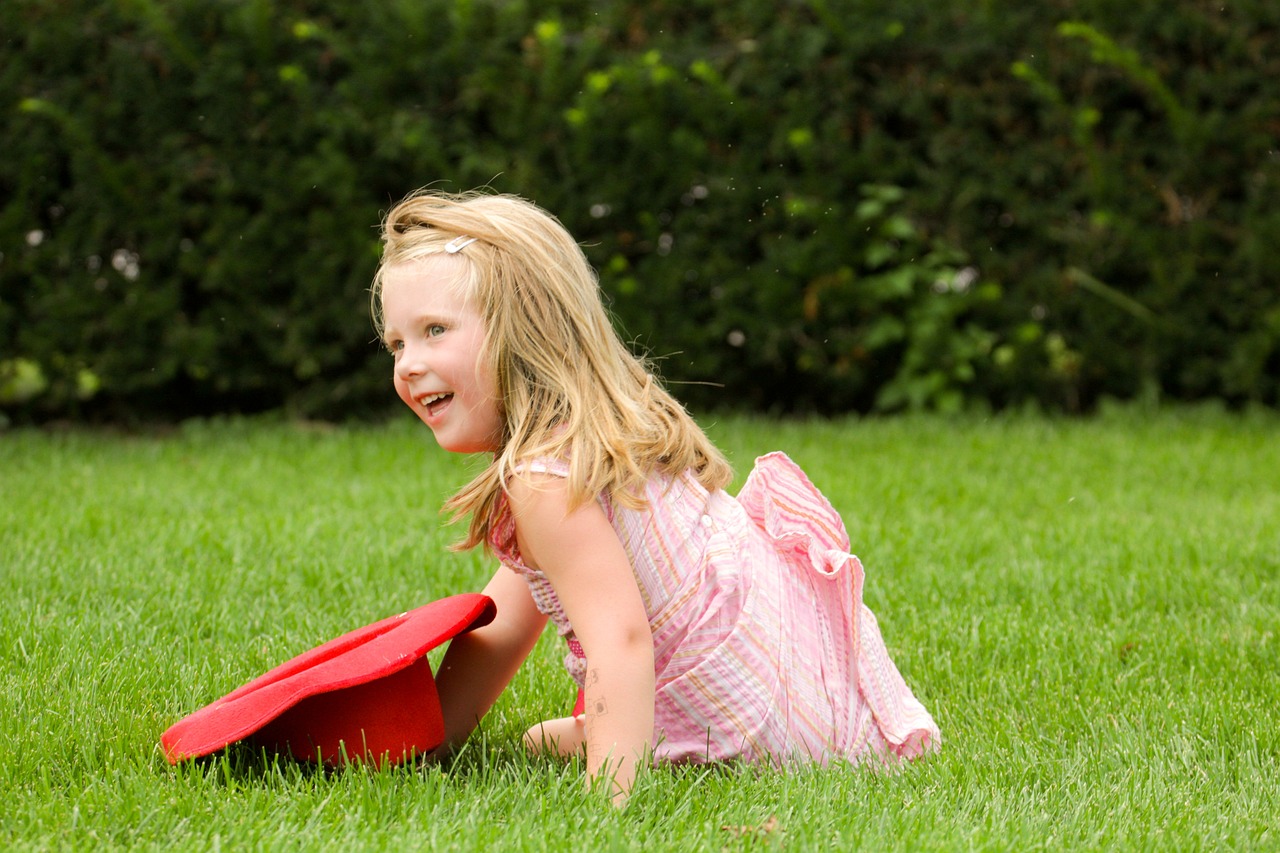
column 563, row 736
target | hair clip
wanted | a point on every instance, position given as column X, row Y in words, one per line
column 457, row 244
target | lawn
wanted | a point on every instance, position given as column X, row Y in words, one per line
column 1089, row 608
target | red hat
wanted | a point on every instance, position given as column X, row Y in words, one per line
column 369, row 693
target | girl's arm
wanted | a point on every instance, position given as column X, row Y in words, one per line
column 480, row 663
column 582, row 557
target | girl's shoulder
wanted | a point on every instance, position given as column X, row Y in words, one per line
column 502, row 527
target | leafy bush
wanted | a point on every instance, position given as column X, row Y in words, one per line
column 830, row 207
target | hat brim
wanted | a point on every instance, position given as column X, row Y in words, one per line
column 369, row 693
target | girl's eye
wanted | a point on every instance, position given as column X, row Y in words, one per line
column 394, row 347
column 435, row 330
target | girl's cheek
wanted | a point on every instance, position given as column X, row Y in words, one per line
column 402, row 390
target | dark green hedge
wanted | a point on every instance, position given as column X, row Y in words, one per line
column 794, row 206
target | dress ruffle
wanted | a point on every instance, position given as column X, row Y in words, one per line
column 810, row 535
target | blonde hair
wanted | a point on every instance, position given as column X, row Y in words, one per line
column 570, row 389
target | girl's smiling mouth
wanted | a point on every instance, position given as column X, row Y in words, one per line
column 434, row 403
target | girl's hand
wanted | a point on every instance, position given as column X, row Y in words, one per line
column 586, row 564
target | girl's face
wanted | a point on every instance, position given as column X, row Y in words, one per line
column 436, row 338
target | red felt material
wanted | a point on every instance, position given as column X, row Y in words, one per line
column 368, row 694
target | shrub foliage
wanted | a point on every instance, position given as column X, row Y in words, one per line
column 817, row 206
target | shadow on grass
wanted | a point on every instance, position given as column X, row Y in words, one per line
column 479, row 761
column 247, row 762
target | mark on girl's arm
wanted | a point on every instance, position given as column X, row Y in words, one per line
column 597, row 703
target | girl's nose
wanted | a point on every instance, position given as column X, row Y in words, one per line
column 410, row 364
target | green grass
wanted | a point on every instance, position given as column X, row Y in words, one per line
column 1089, row 608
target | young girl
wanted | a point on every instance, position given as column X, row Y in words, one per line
column 700, row 627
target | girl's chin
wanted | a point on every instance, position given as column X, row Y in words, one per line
column 477, row 447
column 462, row 444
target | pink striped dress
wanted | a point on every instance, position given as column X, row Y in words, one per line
column 763, row 648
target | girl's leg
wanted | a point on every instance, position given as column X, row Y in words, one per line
column 564, row 736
